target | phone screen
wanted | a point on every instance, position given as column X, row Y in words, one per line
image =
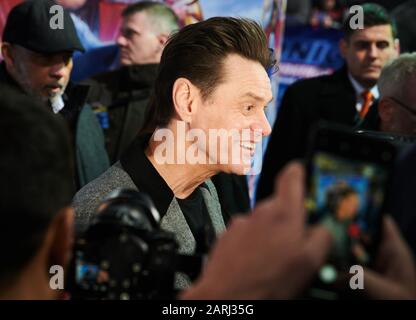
column 346, row 194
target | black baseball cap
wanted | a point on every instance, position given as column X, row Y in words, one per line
column 34, row 26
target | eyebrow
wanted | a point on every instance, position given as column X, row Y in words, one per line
column 130, row 29
column 371, row 41
column 256, row 97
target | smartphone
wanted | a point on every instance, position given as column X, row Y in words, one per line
column 347, row 183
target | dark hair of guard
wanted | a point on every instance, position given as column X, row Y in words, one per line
column 197, row 53
column 337, row 193
column 35, row 175
column 374, row 15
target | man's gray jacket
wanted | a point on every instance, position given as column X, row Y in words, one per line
column 135, row 171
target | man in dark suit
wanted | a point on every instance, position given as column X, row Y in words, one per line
column 343, row 97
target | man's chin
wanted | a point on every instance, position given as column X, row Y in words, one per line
column 239, row 169
column 367, row 82
column 53, row 95
column 125, row 62
column 370, row 77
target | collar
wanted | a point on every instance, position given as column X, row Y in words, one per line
column 358, row 88
column 74, row 99
column 144, row 174
column 6, row 78
column 57, row 103
column 132, row 83
column 139, row 76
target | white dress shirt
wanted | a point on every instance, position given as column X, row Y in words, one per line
column 359, row 89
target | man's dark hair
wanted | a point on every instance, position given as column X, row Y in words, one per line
column 159, row 14
column 374, row 15
column 35, row 175
column 197, row 53
column 336, row 193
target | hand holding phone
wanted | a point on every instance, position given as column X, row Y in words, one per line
column 348, row 178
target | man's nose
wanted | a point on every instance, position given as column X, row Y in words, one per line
column 262, row 125
column 265, row 125
column 373, row 51
column 58, row 71
column 121, row 41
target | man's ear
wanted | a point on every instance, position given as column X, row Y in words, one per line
column 396, row 44
column 62, row 237
column 184, row 96
column 163, row 38
column 343, row 47
column 385, row 112
column 8, row 54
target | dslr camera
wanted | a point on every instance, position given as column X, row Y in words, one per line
column 125, row 255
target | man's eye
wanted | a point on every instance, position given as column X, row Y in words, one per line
column 265, row 108
column 382, row 45
column 128, row 33
column 362, row 45
column 248, row 108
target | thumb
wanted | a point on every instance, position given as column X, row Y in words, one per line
column 318, row 244
column 378, row 287
column 290, row 188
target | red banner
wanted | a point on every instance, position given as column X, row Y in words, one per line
column 5, row 7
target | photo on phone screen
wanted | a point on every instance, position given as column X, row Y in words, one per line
column 346, row 196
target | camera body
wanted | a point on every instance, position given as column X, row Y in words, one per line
column 125, row 255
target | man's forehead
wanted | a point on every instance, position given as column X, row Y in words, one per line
column 373, row 33
column 261, row 95
column 136, row 21
column 238, row 67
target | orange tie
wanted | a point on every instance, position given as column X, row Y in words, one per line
column 368, row 99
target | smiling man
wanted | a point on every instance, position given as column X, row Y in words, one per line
column 212, row 76
column 344, row 97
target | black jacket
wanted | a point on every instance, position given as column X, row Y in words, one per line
column 404, row 16
column 372, row 120
column 330, row 97
column 87, row 137
column 124, row 95
column 402, row 200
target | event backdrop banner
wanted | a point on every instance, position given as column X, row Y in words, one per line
column 306, row 51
